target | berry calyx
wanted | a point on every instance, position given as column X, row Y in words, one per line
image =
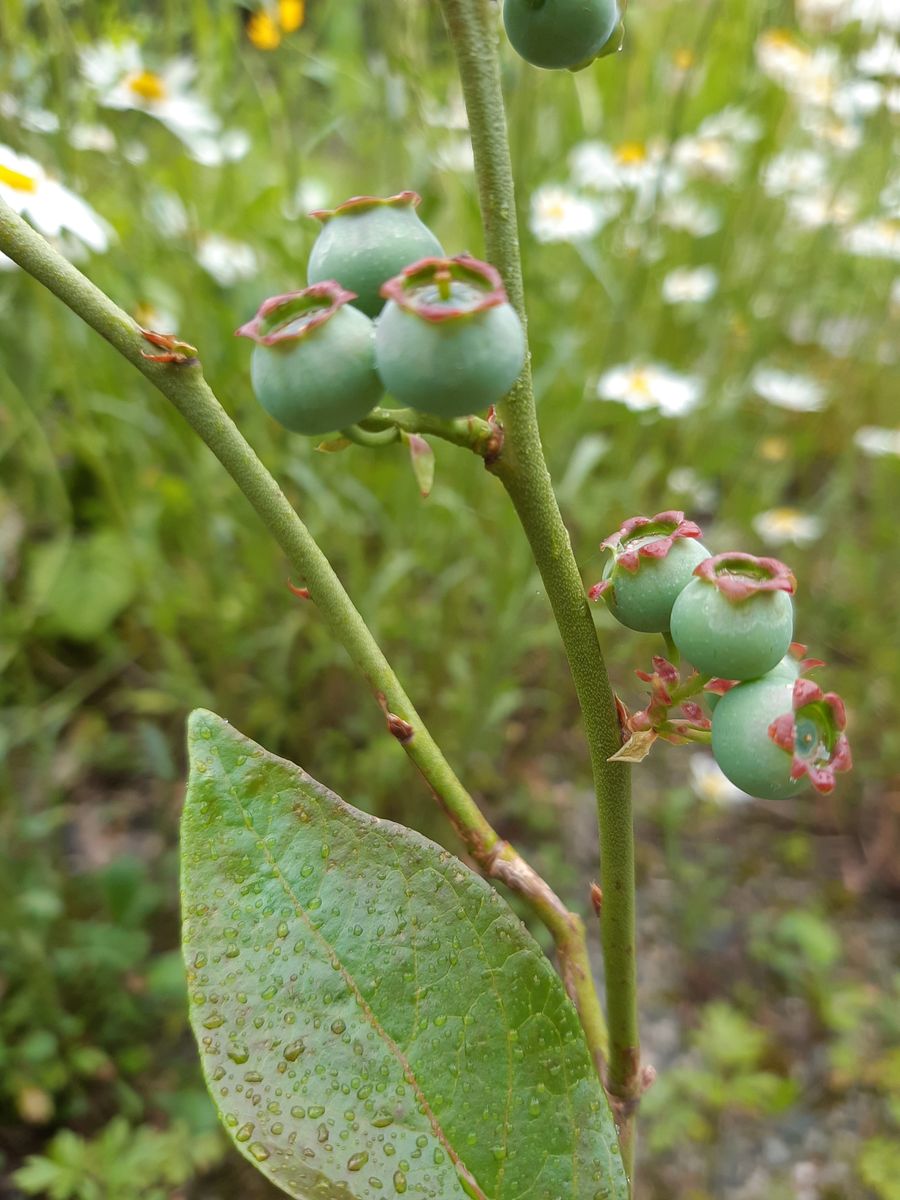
column 559, row 34
column 448, row 341
column 735, row 619
column 770, row 735
column 313, row 364
column 653, row 560
column 366, row 241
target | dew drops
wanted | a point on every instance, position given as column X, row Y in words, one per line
column 356, row 1162
column 382, row 1119
column 238, row 1054
column 316, row 1111
column 399, row 1182
column 293, row 1050
column 282, row 930
column 245, row 1133
column 338, row 1026
column 213, row 1021
column 259, row 1152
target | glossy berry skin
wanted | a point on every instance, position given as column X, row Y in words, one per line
column 448, row 341
column 733, row 636
column 365, row 241
column 741, row 743
column 313, row 365
column 559, row 34
column 644, row 600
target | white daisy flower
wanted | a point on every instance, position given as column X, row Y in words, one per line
column 690, row 216
column 709, row 782
column 734, row 123
column 857, row 98
column 687, row 285
column 787, row 389
column 824, row 127
column 878, row 237
column 779, row 526
column 817, row 210
column 86, row 136
column 882, row 58
column 876, row 14
column 707, row 156
column 227, row 261
column 794, row 171
column 121, row 81
column 50, row 207
column 558, row 215
column 878, row 442
column 231, row 145
column 643, row 387
column 38, row 120
column 593, row 165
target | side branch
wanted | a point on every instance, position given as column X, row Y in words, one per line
column 180, row 379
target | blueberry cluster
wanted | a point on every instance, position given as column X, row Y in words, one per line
column 385, row 311
column 731, row 616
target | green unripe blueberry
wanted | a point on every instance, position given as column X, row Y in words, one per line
column 448, row 342
column 313, row 365
column 365, row 241
column 559, row 34
column 741, row 743
column 653, row 559
column 735, row 618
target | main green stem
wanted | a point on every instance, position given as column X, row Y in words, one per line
column 523, row 471
column 183, row 384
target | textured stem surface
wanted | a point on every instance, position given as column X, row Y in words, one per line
column 523, row 470
column 183, row 384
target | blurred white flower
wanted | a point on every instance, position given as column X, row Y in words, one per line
column 780, row 56
column 231, row 145
column 642, row 387
column 38, row 120
column 732, row 122
column 786, row 389
column 166, row 212
column 892, row 100
column 226, row 260
column 593, row 165
column 85, row 136
column 709, row 782
column 51, row 208
column 451, row 115
column 857, row 98
column 689, row 285
column 794, row 171
column 558, row 215
column 878, row 237
column 779, row 526
column 708, row 156
column 825, row 127
column 690, row 216
column 876, row 14
column 817, row 210
column 121, row 81
column 456, row 155
column 838, row 335
column 878, row 442
column 686, row 482
column 311, row 195
column 882, row 58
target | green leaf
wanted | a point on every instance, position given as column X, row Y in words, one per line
column 372, row 1017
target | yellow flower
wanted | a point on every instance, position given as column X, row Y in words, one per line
column 266, row 28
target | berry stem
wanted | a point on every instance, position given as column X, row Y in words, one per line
column 191, row 395
column 471, row 433
column 522, row 469
column 372, row 440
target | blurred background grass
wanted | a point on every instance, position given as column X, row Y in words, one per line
column 137, row 585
